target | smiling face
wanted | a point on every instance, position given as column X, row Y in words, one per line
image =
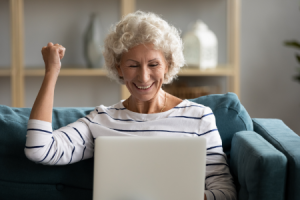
column 143, row 69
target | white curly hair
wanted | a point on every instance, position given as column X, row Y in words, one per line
column 141, row 28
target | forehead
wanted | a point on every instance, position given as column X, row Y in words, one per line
column 142, row 51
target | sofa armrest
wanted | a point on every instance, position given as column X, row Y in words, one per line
column 288, row 142
column 259, row 168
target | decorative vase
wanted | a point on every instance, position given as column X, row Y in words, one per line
column 92, row 43
column 200, row 47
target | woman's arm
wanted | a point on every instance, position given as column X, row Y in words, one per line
column 218, row 182
column 43, row 105
column 67, row 144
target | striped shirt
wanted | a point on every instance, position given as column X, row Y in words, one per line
column 75, row 142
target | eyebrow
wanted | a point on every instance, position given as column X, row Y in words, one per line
column 148, row 60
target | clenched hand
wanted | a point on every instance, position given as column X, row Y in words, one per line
column 52, row 54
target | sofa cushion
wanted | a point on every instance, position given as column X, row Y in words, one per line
column 286, row 141
column 258, row 167
column 231, row 116
column 31, row 181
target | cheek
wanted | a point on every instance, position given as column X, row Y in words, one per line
column 128, row 74
column 161, row 73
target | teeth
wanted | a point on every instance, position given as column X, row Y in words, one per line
column 144, row 88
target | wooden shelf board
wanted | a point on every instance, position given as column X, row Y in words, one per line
column 218, row 71
column 5, row 72
column 67, row 72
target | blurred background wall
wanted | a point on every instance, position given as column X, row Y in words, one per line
column 266, row 65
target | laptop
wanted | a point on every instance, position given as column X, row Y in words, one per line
column 149, row 168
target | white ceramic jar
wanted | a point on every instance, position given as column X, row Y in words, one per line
column 200, row 47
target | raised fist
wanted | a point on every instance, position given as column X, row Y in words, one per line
column 52, row 54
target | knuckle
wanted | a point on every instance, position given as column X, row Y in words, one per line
column 52, row 48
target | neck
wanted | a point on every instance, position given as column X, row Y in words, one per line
column 154, row 105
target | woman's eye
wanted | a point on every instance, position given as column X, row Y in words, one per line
column 153, row 65
column 133, row 66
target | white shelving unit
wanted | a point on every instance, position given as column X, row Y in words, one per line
column 18, row 72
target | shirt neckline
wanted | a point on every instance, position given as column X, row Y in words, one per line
column 150, row 116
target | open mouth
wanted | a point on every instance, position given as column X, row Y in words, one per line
column 143, row 87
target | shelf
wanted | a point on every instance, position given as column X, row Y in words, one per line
column 222, row 17
column 5, row 72
column 68, row 72
column 218, row 71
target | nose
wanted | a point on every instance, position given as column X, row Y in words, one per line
column 144, row 74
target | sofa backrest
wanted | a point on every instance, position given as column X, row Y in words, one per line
column 231, row 116
column 21, row 178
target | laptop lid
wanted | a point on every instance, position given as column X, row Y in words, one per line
column 149, row 168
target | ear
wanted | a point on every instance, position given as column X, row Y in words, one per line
column 118, row 67
column 166, row 69
column 167, row 65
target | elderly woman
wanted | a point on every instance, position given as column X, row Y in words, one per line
column 143, row 52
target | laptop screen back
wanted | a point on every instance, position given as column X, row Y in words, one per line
column 149, row 168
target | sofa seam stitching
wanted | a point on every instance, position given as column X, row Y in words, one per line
column 51, row 184
column 237, row 115
column 14, row 121
column 270, row 135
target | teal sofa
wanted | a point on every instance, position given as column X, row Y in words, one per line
column 288, row 142
column 258, row 165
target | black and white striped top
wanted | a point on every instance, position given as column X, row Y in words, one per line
column 75, row 141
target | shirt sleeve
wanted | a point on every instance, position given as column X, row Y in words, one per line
column 65, row 145
column 218, row 181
